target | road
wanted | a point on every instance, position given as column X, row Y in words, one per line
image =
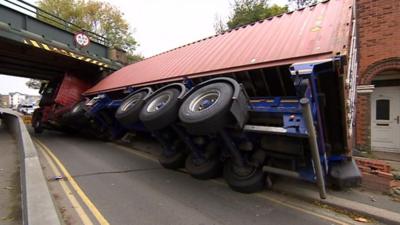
column 119, row 185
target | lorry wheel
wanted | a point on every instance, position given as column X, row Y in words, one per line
column 76, row 116
column 78, row 110
column 207, row 168
column 37, row 127
column 206, row 110
column 175, row 159
column 37, row 122
column 245, row 180
column 160, row 110
column 128, row 112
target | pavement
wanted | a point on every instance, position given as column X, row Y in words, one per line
column 390, row 156
column 354, row 202
column 393, row 159
column 10, row 202
column 113, row 184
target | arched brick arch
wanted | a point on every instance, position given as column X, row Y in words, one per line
column 379, row 67
column 363, row 110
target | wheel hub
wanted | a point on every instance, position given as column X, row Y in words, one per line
column 245, row 171
column 132, row 101
column 158, row 103
column 204, row 101
column 75, row 109
column 198, row 161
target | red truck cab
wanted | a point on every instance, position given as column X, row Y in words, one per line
column 58, row 97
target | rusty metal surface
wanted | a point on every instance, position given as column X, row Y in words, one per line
column 314, row 32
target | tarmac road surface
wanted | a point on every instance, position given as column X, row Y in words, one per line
column 110, row 184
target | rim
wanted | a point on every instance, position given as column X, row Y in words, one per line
column 37, row 123
column 204, row 101
column 158, row 103
column 131, row 101
column 243, row 173
column 76, row 108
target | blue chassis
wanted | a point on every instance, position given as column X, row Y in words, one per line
column 304, row 76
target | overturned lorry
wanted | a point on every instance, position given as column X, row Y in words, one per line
column 272, row 97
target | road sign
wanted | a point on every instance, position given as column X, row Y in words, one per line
column 81, row 40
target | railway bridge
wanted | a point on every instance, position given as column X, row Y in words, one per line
column 37, row 44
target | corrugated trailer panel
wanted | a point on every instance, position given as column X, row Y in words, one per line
column 314, row 32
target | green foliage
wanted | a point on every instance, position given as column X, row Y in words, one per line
column 34, row 84
column 219, row 25
column 249, row 11
column 96, row 16
column 135, row 58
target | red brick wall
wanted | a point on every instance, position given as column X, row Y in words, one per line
column 379, row 50
column 378, row 32
column 363, row 132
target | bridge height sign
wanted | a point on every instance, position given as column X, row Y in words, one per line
column 81, row 40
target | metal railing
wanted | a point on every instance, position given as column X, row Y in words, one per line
column 34, row 11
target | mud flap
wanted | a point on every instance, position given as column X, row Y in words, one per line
column 239, row 108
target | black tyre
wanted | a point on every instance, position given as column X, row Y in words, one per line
column 244, row 180
column 128, row 112
column 76, row 117
column 37, row 122
column 175, row 159
column 37, row 127
column 207, row 168
column 207, row 109
column 78, row 110
column 160, row 110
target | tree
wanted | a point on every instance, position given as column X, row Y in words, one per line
column 302, row 3
column 219, row 25
column 249, row 11
column 34, row 84
column 135, row 58
column 96, row 16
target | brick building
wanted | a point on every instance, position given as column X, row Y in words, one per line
column 378, row 101
column 16, row 98
column 13, row 99
column 4, row 101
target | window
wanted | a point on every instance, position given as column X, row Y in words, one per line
column 383, row 109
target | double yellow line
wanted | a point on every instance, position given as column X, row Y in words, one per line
column 53, row 160
column 58, row 168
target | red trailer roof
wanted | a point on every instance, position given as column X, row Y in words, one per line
column 311, row 33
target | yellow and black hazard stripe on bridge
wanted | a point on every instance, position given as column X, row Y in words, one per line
column 61, row 51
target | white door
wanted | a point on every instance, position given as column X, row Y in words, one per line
column 385, row 121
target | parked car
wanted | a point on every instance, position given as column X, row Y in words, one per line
column 26, row 109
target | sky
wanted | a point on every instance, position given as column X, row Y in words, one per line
column 161, row 25
column 158, row 26
column 15, row 84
